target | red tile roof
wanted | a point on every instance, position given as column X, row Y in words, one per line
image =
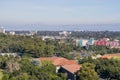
column 72, row 68
column 108, row 56
column 59, row 61
column 70, row 65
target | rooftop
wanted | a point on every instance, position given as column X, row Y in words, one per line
column 70, row 65
column 72, row 68
column 59, row 61
column 108, row 56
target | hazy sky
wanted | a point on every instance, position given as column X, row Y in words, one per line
column 59, row 11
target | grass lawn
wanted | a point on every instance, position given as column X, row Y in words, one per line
column 117, row 58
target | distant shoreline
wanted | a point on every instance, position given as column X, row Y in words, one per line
column 80, row 27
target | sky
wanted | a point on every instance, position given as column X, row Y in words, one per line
column 59, row 11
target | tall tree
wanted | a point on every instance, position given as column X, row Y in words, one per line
column 87, row 72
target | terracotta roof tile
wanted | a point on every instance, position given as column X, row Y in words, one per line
column 59, row 61
column 108, row 56
column 70, row 65
column 72, row 68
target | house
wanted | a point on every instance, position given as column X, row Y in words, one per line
column 70, row 70
column 12, row 33
column 109, row 56
column 63, row 65
column 64, row 33
column 2, row 30
column 97, row 56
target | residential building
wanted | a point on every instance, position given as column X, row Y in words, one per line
column 84, row 42
column 33, row 32
column 63, row 65
column 12, row 33
column 64, row 33
column 2, row 30
column 109, row 56
column 107, row 42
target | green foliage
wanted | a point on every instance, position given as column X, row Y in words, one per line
column 5, row 77
column 103, row 50
column 106, row 68
column 28, row 71
column 24, row 68
column 49, row 50
column 23, row 76
column 14, row 68
column 34, row 47
column 96, row 34
column 87, row 72
column 1, row 75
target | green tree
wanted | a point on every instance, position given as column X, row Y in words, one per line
column 49, row 50
column 1, row 75
column 108, row 69
column 5, row 77
column 87, row 72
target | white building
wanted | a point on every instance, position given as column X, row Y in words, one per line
column 85, row 41
column 64, row 33
column 33, row 32
column 2, row 30
column 97, row 56
column 12, row 33
column 48, row 37
column 9, row 54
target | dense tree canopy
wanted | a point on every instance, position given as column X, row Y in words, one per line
column 105, row 68
column 32, row 46
column 87, row 72
column 24, row 69
column 1, row 74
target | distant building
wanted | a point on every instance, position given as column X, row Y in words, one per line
column 64, row 33
column 12, row 33
column 97, row 56
column 107, row 42
column 91, row 41
column 101, row 43
column 2, row 30
column 76, row 41
column 81, row 42
column 48, row 38
column 84, row 42
column 33, row 32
